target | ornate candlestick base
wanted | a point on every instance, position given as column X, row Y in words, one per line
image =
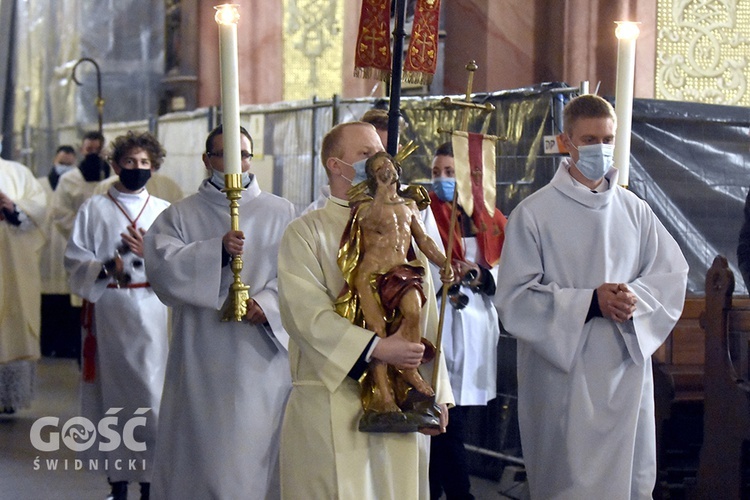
column 235, row 307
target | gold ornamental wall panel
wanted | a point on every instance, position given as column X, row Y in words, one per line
column 703, row 51
column 313, row 48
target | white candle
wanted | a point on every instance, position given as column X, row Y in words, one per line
column 228, row 16
column 626, row 34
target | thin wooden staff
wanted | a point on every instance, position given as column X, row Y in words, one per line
column 467, row 105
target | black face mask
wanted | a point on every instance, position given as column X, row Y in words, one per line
column 94, row 168
column 134, row 179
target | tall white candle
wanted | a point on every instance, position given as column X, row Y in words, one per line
column 626, row 33
column 228, row 16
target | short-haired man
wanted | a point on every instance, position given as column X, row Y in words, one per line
column 591, row 284
column 77, row 185
column 323, row 454
column 226, row 382
column 378, row 118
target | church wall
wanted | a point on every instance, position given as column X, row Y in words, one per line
column 499, row 36
column 260, row 54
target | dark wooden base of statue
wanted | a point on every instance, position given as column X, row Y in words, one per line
column 422, row 413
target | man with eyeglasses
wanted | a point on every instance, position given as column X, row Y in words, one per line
column 226, row 382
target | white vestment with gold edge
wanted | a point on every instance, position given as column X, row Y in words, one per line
column 323, row 454
column 20, row 247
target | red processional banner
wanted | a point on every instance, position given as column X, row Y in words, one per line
column 421, row 57
column 372, row 57
column 474, row 156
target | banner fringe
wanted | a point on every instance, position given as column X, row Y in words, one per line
column 417, row 77
column 372, row 73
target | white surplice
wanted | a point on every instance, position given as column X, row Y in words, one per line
column 585, row 389
column 470, row 337
column 72, row 190
column 226, row 382
column 130, row 325
column 323, row 454
column 20, row 289
column 54, row 277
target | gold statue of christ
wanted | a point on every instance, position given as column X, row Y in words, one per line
column 384, row 287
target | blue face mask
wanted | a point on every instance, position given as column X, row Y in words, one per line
column 595, row 160
column 444, row 187
column 217, row 179
column 61, row 169
column 359, row 171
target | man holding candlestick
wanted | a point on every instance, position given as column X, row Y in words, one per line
column 226, row 382
column 591, row 284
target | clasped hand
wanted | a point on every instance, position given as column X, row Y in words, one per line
column 134, row 240
column 6, row 205
column 616, row 301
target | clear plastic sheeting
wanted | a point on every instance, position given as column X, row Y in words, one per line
column 691, row 163
column 124, row 37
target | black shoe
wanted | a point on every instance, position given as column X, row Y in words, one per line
column 119, row 491
column 145, row 490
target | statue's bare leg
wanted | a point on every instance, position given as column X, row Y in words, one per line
column 411, row 308
column 373, row 314
column 383, row 399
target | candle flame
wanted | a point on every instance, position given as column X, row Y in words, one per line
column 627, row 30
column 227, row 13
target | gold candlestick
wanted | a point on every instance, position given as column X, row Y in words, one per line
column 235, row 307
column 227, row 16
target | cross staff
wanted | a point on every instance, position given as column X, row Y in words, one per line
column 467, row 105
column 99, row 99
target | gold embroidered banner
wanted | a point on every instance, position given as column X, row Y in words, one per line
column 421, row 58
column 703, row 51
column 313, row 44
column 373, row 53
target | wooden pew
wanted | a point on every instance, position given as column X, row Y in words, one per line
column 725, row 453
column 678, row 398
column 679, row 361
